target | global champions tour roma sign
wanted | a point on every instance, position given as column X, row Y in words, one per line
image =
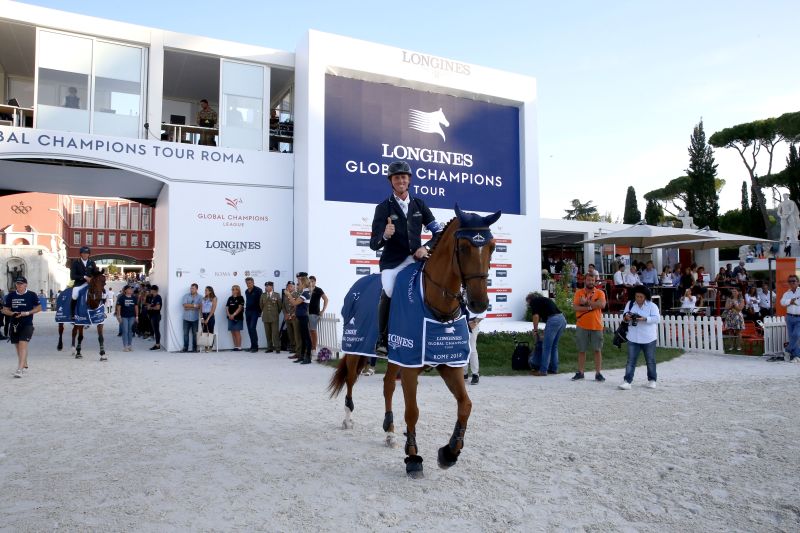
column 461, row 150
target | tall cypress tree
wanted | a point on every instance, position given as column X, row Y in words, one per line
column 745, row 200
column 632, row 215
column 702, row 200
column 653, row 213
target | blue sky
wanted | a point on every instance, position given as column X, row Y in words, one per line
column 620, row 84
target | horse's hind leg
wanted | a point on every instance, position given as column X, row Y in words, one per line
column 352, row 363
column 448, row 454
column 60, row 337
column 413, row 460
column 389, row 385
column 100, row 340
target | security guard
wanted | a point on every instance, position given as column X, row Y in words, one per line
column 397, row 228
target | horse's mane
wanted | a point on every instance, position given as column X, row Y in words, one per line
column 436, row 240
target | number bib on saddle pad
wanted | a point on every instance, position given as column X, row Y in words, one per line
column 416, row 338
column 83, row 316
column 360, row 316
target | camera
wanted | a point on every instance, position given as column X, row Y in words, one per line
column 634, row 320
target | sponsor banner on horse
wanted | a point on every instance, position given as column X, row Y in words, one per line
column 360, row 316
column 83, row 316
column 416, row 338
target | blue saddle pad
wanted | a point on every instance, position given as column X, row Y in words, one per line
column 83, row 316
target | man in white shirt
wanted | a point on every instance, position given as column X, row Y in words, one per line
column 791, row 300
column 631, row 279
column 766, row 301
column 619, row 276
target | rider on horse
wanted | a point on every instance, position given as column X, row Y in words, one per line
column 80, row 273
column 397, row 228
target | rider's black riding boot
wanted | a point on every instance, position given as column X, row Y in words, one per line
column 382, row 346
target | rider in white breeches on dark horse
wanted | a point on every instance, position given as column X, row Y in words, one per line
column 80, row 272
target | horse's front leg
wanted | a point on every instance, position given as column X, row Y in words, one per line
column 100, row 340
column 60, row 337
column 408, row 379
column 448, row 454
column 389, row 385
column 80, row 341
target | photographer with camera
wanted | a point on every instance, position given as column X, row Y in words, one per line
column 643, row 317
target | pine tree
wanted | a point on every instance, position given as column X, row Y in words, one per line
column 702, row 200
column 632, row 215
column 653, row 213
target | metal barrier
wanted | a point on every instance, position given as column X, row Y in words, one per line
column 695, row 333
column 328, row 333
column 775, row 334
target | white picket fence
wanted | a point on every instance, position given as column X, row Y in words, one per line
column 695, row 333
column 774, row 334
column 328, row 330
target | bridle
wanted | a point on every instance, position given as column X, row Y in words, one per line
column 458, row 234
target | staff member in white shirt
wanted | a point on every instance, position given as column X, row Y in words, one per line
column 791, row 300
column 643, row 318
column 766, row 301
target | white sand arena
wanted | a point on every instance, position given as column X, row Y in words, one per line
column 152, row 441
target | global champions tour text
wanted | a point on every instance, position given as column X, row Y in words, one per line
column 99, row 145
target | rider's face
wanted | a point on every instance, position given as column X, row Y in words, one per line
column 400, row 184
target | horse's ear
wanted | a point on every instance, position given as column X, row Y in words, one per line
column 459, row 213
column 491, row 219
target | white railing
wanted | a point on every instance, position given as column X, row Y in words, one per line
column 328, row 330
column 774, row 334
column 695, row 333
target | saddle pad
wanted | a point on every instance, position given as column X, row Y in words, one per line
column 416, row 338
column 360, row 316
column 83, row 316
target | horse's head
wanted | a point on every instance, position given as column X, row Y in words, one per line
column 442, row 119
column 94, row 293
column 473, row 253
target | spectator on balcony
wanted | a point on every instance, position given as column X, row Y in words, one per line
column 72, row 100
column 207, row 118
column 649, row 275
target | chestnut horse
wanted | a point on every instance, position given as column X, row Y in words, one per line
column 94, row 299
column 460, row 258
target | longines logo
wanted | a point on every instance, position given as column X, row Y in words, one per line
column 428, row 122
column 233, row 247
column 436, row 63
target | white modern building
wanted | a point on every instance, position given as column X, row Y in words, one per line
column 287, row 177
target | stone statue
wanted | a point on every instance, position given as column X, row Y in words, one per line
column 13, row 274
column 790, row 219
column 686, row 219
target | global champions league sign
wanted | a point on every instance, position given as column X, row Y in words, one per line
column 461, row 151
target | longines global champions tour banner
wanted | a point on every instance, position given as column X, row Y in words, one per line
column 461, row 150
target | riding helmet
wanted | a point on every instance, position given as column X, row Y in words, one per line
column 398, row 167
column 85, row 250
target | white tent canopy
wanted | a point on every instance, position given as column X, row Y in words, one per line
column 642, row 235
column 706, row 239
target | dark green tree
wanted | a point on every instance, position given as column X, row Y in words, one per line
column 582, row 211
column 749, row 140
column 745, row 200
column 674, row 196
column 702, row 200
column 632, row 215
column 788, row 177
column 733, row 222
column 653, row 213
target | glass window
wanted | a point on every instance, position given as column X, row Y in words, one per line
column 101, row 215
column 146, row 240
column 65, row 66
column 76, row 238
column 77, row 214
column 123, row 217
column 22, row 90
column 123, row 239
column 89, row 239
column 112, row 239
column 146, row 218
column 101, row 239
column 88, row 214
column 134, row 217
column 117, row 89
column 241, row 116
column 112, row 216
column 134, row 239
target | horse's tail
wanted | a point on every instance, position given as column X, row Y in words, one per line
column 339, row 377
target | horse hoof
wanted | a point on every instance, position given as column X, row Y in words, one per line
column 414, row 467
column 102, row 352
column 73, row 351
column 60, row 346
column 103, row 358
column 78, row 356
column 447, row 457
column 391, row 440
column 388, row 421
column 347, row 424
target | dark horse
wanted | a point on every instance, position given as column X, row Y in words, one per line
column 458, row 260
column 94, row 299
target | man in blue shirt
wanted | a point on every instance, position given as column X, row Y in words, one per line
column 191, row 317
column 20, row 305
column 252, row 311
column 649, row 275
